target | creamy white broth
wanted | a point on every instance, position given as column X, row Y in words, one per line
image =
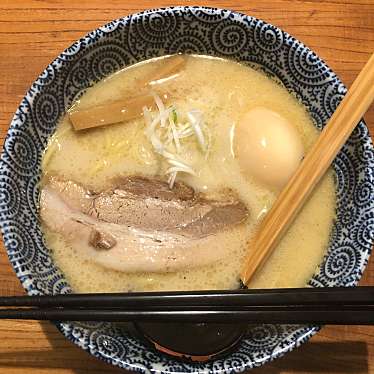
column 223, row 90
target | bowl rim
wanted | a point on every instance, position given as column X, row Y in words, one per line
column 310, row 330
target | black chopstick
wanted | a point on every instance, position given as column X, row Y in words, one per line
column 292, row 306
column 144, row 300
column 363, row 316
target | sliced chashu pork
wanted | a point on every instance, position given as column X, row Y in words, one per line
column 140, row 224
column 149, row 203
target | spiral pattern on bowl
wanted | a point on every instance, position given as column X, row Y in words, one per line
column 156, row 33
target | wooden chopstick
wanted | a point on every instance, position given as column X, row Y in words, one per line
column 312, row 168
column 229, row 298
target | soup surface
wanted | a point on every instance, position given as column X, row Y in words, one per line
column 228, row 98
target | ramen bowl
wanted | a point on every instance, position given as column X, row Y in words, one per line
column 159, row 32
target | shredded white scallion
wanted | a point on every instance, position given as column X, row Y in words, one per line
column 174, row 132
column 177, row 169
column 151, row 129
column 185, row 132
column 161, row 108
column 195, row 120
column 165, row 133
column 171, row 179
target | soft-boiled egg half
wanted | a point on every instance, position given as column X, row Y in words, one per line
column 267, row 146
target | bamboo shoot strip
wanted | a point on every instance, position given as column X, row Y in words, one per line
column 127, row 108
column 170, row 67
column 109, row 113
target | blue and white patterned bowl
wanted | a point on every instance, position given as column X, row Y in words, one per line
column 153, row 33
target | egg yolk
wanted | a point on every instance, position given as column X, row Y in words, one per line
column 267, row 146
